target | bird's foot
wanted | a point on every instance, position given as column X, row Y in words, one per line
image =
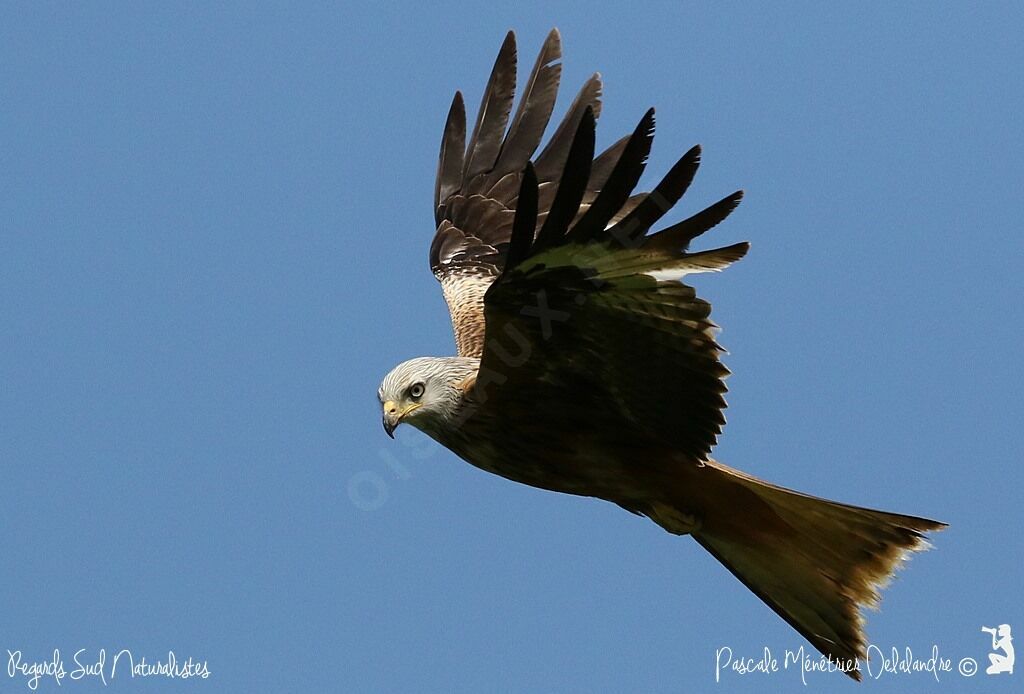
column 673, row 519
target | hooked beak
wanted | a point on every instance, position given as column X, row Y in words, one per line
column 393, row 416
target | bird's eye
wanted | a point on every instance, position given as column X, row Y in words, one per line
column 416, row 391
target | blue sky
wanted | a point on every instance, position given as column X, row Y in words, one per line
column 213, row 244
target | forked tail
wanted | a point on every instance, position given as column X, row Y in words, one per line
column 815, row 562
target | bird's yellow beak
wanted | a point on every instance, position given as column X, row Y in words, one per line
column 394, row 413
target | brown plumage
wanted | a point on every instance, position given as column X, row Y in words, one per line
column 587, row 367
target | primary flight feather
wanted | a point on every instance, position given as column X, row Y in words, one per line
column 586, row 366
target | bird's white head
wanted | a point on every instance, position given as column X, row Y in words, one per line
column 425, row 392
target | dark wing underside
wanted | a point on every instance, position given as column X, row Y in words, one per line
column 478, row 183
column 589, row 309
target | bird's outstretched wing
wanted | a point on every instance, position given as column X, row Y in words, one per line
column 590, row 309
column 478, row 184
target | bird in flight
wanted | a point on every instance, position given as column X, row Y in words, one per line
column 586, row 366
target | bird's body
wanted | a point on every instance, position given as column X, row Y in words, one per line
column 595, row 457
column 587, row 367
